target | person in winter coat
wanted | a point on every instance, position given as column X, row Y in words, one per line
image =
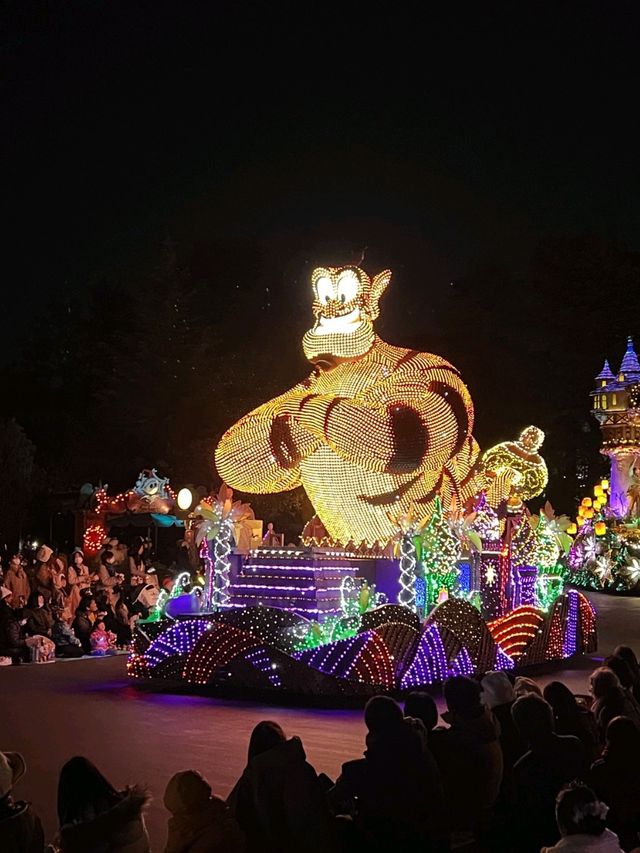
column 278, row 801
column 469, row 755
column 550, row 763
column 94, row 817
column 43, row 580
column 570, row 718
column 20, row 827
column 201, row 822
column 83, row 623
column 67, row 644
column 498, row 695
column 611, row 699
column 616, row 780
column 108, row 575
column 39, row 618
column 79, row 579
column 393, row 793
column 17, row 580
column 582, row 822
column 12, row 642
column 629, row 657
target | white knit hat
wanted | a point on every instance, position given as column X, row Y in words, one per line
column 12, row 768
column 44, row 553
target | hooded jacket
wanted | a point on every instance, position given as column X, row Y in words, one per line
column 20, row 828
column 395, row 789
column 201, row 823
column 470, row 759
column 279, row 803
column 120, row 829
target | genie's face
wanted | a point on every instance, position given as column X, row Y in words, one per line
column 345, row 305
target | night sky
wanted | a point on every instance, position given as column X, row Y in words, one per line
column 448, row 143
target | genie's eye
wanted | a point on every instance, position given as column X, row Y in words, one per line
column 348, row 286
column 324, row 289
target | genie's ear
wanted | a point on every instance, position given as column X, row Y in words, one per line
column 378, row 287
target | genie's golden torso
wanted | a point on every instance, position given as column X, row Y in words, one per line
column 370, row 437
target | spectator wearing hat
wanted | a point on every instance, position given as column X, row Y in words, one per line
column 17, row 580
column 79, row 579
column 200, row 822
column 43, row 580
column 20, row 827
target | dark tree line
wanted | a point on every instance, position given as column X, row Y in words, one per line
column 149, row 368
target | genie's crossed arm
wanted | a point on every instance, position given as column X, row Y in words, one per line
column 262, row 451
column 418, row 417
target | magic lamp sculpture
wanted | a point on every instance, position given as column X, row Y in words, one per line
column 374, row 428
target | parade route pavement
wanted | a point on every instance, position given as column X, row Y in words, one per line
column 51, row 712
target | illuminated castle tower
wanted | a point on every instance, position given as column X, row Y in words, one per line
column 616, row 407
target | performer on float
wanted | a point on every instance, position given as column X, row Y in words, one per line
column 633, row 492
column 373, row 428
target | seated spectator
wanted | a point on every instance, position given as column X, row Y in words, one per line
column 627, row 654
column 394, row 792
column 67, row 644
column 20, row 828
column 13, row 644
column 79, row 579
column 616, row 780
column 498, row 695
column 469, row 755
column 570, row 718
column 108, row 574
column 83, row 622
column 551, row 762
column 582, row 823
column 117, row 617
column 422, row 706
column 278, row 801
column 17, row 581
column 201, row 822
column 622, row 670
column 522, row 686
column 94, row 816
column 43, row 579
column 611, row 699
column 103, row 642
column 39, row 618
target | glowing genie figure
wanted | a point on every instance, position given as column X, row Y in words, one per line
column 375, row 428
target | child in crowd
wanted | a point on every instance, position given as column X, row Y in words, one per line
column 103, row 642
column 582, row 821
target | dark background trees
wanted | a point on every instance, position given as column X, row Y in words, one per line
column 152, row 366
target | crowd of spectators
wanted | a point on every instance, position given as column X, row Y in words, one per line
column 58, row 605
column 510, row 767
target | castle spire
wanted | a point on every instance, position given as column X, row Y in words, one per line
column 630, row 366
column 606, row 374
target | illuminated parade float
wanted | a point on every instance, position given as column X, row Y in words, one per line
column 606, row 552
column 422, row 561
